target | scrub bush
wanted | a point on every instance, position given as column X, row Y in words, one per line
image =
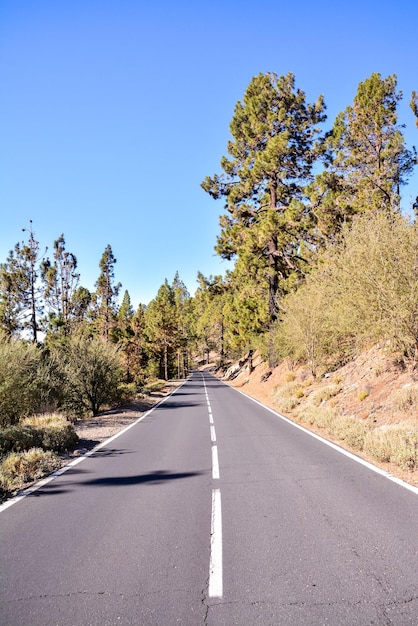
column 19, row 468
column 19, row 380
column 91, row 371
column 49, row 432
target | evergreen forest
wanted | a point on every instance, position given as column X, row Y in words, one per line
column 325, row 263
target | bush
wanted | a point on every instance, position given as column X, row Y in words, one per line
column 289, row 396
column 91, row 371
column 49, row 432
column 56, row 433
column 154, row 385
column 364, row 290
column 128, row 391
column 351, row 431
column 325, row 393
column 397, row 444
column 19, row 364
column 18, row 438
column 19, row 468
column 319, row 417
column 377, row 443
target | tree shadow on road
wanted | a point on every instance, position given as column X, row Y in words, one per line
column 157, row 477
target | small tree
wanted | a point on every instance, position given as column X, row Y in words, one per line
column 92, row 371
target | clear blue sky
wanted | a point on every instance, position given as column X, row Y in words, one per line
column 112, row 112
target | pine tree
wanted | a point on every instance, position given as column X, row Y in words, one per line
column 367, row 160
column 60, row 282
column 183, row 304
column 106, row 293
column 20, row 296
column 209, row 327
column 271, row 158
column 162, row 329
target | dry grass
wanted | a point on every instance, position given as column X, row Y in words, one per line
column 406, row 399
column 20, row 468
column 289, row 396
column 324, row 394
column 395, row 444
column 49, row 432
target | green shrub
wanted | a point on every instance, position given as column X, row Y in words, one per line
column 18, row 438
column 19, row 468
column 19, row 364
column 364, row 290
column 91, row 371
column 154, row 385
column 49, row 432
column 127, row 391
column 56, row 433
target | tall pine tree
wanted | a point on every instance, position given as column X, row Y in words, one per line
column 106, row 293
column 367, row 160
column 270, row 162
column 60, row 283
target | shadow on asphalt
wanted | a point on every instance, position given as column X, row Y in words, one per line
column 156, row 478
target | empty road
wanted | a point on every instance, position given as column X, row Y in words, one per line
column 211, row 510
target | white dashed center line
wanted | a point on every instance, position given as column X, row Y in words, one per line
column 215, row 568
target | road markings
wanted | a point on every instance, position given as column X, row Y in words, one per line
column 215, row 570
column 44, row 481
column 215, row 463
column 215, row 589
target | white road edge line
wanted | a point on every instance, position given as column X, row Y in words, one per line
column 215, row 569
column 332, row 445
column 62, row 470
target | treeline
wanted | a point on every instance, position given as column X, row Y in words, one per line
column 65, row 348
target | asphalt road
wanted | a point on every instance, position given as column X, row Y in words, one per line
column 212, row 510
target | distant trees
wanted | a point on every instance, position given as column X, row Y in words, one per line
column 414, row 104
column 168, row 328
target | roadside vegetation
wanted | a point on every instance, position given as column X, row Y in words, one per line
column 325, row 265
